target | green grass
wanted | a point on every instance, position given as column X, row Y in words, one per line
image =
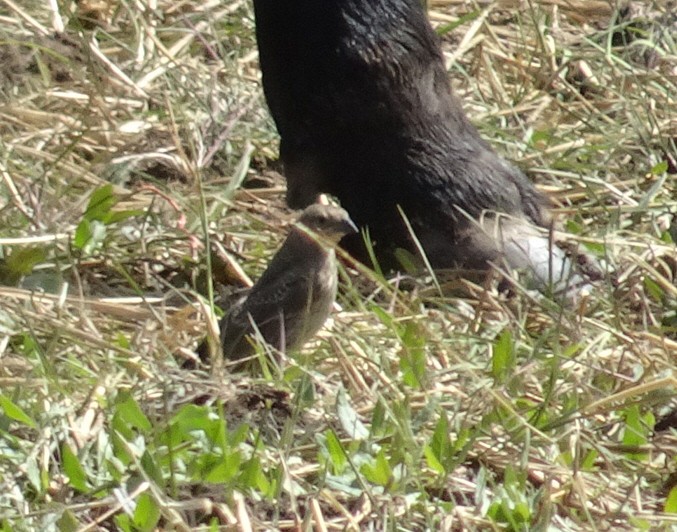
column 412, row 410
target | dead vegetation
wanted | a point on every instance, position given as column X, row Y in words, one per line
column 135, row 137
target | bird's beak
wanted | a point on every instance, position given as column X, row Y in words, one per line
column 345, row 227
column 350, row 227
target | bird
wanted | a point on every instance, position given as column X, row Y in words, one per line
column 294, row 297
column 360, row 95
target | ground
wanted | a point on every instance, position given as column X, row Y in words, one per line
column 135, row 138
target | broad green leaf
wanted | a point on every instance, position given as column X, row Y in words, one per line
column 671, row 502
column 253, row 477
column 337, row 454
column 128, row 410
column 349, row 419
column 379, row 472
column 15, row 412
column 20, row 263
column 588, row 462
column 82, row 235
column 68, row 522
column 432, row 460
column 192, row 418
column 100, row 203
column 152, row 469
column 124, row 522
column 147, row 513
column 223, row 469
column 73, row 469
column 89, row 234
column 440, row 446
column 634, row 433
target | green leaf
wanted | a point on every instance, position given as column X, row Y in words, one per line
column 597, row 249
column 379, row 472
column 660, row 168
column 100, row 203
column 510, row 504
column 634, row 433
column 407, row 261
column 82, row 234
column 253, row 477
column 20, row 263
column 521, row 512
column 637, row 430
column 385, row 317
column 192, row 418
column 119, row 216
column 462, row 440
column 671, row 502
column 89, row 235
column 379, row 423
column 34, row 474
column 412, row 356
column 152, row 469
column 654, row 289
column 503, row 359
column 121, row 340
column 146, row 514
column 129, row 411
column 14, row 412
column 588, row 462
column 349, row 418
column 73, row 469
column 540, row 136
column 432, row 460
column 222, row 469
column 237, row 436
column 439, row 452
column 574, row 226
column 68, row 522
column 638, row 524
column 305, row 391
column 468, row 17
column 336, row 452
column 669, row 236
column 124, row 522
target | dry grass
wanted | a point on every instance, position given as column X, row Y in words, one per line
column 412, row 411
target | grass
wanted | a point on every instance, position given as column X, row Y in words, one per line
column 141, row 139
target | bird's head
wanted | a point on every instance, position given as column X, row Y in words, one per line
column 327, row 221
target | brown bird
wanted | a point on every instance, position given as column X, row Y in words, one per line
column 294, row 296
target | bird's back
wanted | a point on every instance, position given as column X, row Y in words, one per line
column 288, row 304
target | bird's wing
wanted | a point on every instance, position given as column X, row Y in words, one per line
column 275, row 299
column 289, row 293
